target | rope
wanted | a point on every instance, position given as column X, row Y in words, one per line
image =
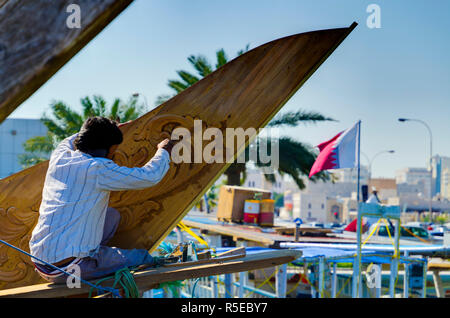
column 389, row 234
column 126, row 279
column 101, row 289
column 193, row 288
column 373, row 231
column 268, row 282
column 423, row 240
column 342, row 288
column 262, row 284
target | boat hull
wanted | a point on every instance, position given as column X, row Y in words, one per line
column 246, row 92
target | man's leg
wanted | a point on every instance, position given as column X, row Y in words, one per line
column 112, row 221
column 110, row 259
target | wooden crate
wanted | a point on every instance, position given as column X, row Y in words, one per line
column 231, row 201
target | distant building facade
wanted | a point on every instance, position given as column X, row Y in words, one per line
column 441, row 166
column 256, row 179
column 351, row 175
column 414, row 176
column 314, row 207
column 386, row 188
column 13, row 134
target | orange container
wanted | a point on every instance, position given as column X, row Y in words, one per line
column 266, row 216
column 251, row 211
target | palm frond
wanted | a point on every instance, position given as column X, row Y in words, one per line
column 99, row 106
column 114, row 112
column 188, row 78
column 177, row 86
column 222, row 58
column 161, row 99
column 201, row 64
column 88, row 107
column 27, row 160
column 39, row 144
column 294, row 118
column 295, row 159
column 245, row 50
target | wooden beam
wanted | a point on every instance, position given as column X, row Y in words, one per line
column 234, row 251
column 149, row 279
column 35, row 42
column 217, row 260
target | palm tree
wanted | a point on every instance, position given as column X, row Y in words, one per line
column 65, row 122
column 296, row 157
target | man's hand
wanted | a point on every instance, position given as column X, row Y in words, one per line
column 167, row 145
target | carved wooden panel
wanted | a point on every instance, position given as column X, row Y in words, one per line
column 246, row 92
column 35, row 42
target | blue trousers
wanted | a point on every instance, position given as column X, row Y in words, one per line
column 108, row 259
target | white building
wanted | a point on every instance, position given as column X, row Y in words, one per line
column 330, row 189
column 316, row 208
column 445, row 184
column 255, row 179
column 440, row 165
column 13, row 134
column 414, row 176
column 309, row 207
column 348, row 175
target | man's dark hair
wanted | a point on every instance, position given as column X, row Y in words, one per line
column 98, row 133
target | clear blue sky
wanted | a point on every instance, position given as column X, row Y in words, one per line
column 376, row 75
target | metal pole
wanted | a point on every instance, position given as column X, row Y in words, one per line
column 378, row 281
column 394, row 262
column 334, row 281
column 357, row 262
column 321, row 276
column 425, row 269
column 406, row 279
column 281, row 281
column 430, row 204
column 359, row 159
column 228, row 286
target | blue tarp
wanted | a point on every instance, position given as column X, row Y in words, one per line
column 332, row 255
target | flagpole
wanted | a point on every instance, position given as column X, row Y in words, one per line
column 359, row 160
column 357, row 262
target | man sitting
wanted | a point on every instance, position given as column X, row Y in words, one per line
column 75, row 221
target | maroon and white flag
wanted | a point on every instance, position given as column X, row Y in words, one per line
column 342, row 151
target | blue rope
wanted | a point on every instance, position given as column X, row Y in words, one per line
column 193, row 288
column 101, row 289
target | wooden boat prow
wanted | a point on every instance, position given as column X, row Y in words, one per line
column 246, row 92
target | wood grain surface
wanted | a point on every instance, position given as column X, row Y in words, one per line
column 35, row 42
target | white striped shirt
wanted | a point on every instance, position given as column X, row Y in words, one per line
column 75, row 198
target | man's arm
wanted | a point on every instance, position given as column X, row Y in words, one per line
column 113, row 177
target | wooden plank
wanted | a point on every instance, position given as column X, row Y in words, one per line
column 245, row 93
column 149, row 279
column 216, row 260
column 253, row 234
column 234, row 231
column 438, row 264
column 291, row 230
column 35, row 42
column 234, row 251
